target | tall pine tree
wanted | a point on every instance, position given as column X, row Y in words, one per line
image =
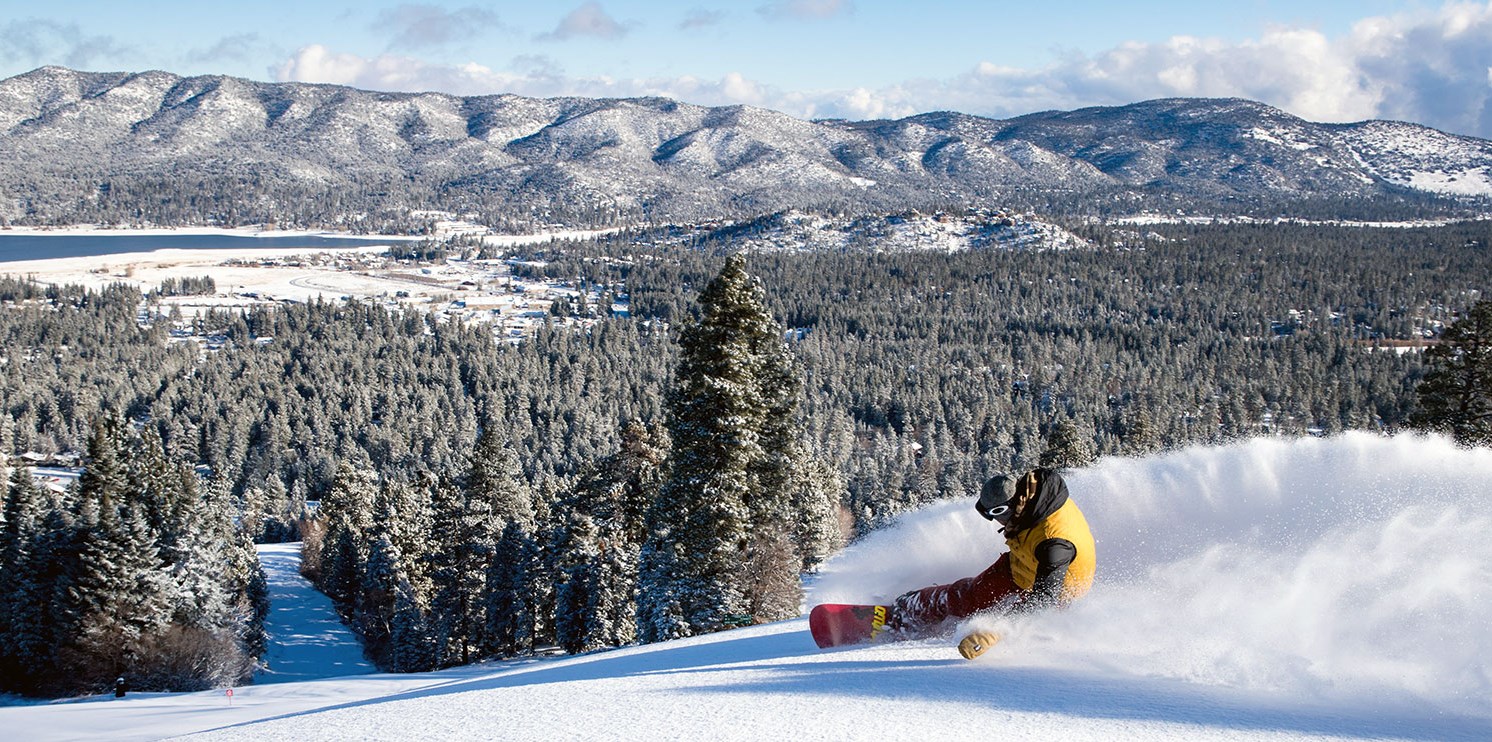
column 1456, row 395
column 728, row 501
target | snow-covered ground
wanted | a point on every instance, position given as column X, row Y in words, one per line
column 479, row 290
column 1269, row 590
column 307, row 640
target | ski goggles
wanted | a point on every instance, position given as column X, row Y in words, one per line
column 997, row 499
column 1000, row 512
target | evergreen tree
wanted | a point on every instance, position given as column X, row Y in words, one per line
column 730, row 419
column 511, row 601
column 104, row 484
column 770, row 575
column 197, row 550
column 377, row 593
column 495, row 476
column 575, row 569
column 625, row 482
column 465, row 544
column 1068, row 447
column 412, row 646
column 613, row 604
column 22, row 590
column 124, row 598
column 1456, row 395
column 662, row 589
column 347, row 511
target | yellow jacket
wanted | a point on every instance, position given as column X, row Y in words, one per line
column 1067, row 524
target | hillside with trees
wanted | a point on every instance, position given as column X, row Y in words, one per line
column 475, row 499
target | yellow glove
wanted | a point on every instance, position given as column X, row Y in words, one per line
column 976, row 643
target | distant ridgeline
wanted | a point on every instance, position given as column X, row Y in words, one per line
column 156, row 148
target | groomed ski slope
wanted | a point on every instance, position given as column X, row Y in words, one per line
column 307, row 640
column 1270, row 590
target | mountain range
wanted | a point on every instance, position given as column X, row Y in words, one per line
column 158, row 147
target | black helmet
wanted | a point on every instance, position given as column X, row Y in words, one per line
column 997, row 499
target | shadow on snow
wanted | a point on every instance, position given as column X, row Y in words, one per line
column 984, row 684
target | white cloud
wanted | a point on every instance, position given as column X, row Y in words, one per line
column 1433, row 68
column 37, row 41
column 535, row 76
column 806, row 9
column 701, row 18
column 416, row 26
column 235, row 48
column 590, row 20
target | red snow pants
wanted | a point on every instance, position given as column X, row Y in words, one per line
column 930, row 606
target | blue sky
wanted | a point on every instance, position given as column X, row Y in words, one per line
column 1429, row 62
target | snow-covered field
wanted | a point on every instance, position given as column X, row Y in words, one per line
column 146, row 270
column 259, row 275
column 1269, row 590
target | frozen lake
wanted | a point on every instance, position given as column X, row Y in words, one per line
column 42, row 246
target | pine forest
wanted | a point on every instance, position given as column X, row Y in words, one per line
column 672, row 470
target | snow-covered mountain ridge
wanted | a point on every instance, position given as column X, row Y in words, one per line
column 661, row 159
column 905, row 231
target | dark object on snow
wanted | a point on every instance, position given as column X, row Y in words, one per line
column 120, row 687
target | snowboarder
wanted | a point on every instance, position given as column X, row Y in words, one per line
column 1050, row 562
column 120, row 686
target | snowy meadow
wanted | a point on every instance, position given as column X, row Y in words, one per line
column 1270, row 589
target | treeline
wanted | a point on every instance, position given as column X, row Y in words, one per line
column 926, row 370
column 137, row 572
column 922, row 370
column 707, row 527
column 435, row 571
column 921, row 373
column 389, row 202
column 187, row 286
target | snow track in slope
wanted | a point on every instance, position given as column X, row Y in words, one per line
column 307, row 639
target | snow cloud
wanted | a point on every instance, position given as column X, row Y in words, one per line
column 588, row 20
column 806, row 9
column 416, row 26
column 38, row 41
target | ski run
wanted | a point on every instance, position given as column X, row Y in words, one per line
column 1268, row 590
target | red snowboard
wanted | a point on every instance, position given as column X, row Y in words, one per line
column 837, row 624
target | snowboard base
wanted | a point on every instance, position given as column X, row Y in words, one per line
column 838, row 624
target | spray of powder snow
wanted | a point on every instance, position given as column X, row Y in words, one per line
column 1356, row 567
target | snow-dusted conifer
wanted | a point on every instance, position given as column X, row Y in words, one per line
column 613, row 604
column 736, row 463
column 412, row 648
column 197, row 551
column 496, row 476
column 347, row 510
column 817, row 490
column 465, row 541
column 1068, row 446
column 576, row 552
column 511, row 602
column 1456, row 395
column 123, row 595
column 22, row 586
column 660, row 605
column 374, row 609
